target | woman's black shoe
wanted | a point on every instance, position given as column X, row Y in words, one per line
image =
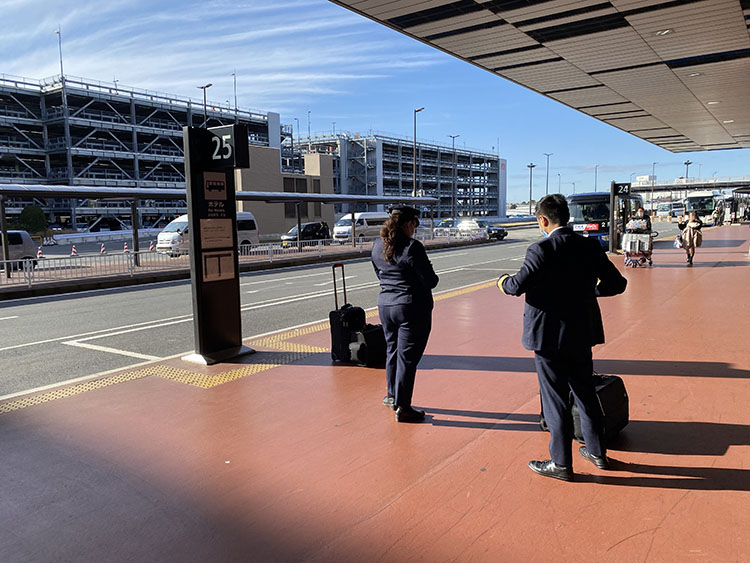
column 408, row 414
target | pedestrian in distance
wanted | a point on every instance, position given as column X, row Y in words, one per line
column 405, row 306
column 691, row 235
column 562, row 276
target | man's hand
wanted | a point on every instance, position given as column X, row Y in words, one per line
column 500, row 281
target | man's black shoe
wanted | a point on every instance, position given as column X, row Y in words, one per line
column 388, row 402
column 549, row 468
column 600, row 461
column 408, row 414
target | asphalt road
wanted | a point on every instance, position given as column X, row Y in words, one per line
column 48, row 340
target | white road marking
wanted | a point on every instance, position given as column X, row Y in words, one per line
column 8, row 318
column 112, row 350
column 330, row 282
column 252, row 291
column 274, row 280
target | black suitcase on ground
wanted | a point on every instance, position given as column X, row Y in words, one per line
column 368, row 348
column 344, row 322
column 614, row 405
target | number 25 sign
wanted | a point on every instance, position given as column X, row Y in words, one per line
column 229, row 146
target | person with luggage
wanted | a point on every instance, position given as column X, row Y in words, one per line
column 690, row 235
column 405, row 306
column 562, row 276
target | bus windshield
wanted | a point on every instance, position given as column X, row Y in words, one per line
column 699, row 203
column 588, row 211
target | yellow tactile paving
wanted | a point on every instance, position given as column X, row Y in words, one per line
column 278, row 342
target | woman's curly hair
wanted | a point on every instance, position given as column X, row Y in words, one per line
column 393, row 234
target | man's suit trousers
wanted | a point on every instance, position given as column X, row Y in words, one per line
column 561, row 372
column 406, row 328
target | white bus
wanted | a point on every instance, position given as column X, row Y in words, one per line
column 703, row 203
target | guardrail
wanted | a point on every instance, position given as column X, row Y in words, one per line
column 34, row 272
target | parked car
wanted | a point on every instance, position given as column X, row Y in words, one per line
column 316, row 230
column 20, row 247
column 481, row 228
column 367, row 225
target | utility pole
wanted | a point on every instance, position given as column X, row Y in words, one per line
column 530, row 166
column 414, row 171
column 546, row 184
column 453, row 196
column 309, row 136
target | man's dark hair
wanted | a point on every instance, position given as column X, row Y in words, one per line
column 555, row 208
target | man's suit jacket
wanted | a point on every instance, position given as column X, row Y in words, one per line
column 562, row 276
column 410, row 279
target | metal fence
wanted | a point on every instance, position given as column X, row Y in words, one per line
column 31, row 272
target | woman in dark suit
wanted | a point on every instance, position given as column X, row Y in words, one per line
column 405, row 306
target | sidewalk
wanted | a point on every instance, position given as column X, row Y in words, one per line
column 285, row 457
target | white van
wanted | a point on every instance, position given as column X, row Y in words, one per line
column 174, row 239
column 367, row 225
column 20, row 246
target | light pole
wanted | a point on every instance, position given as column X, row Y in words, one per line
column 59, row 46
column 530, row 166
column 546, row 183
column 699, row 170
column 574, row 187
column 631, row 177
column 653, row 181
column 205, row 113
column 687, row 164
column 559, row 183
column 453, row 196
column 334, row 128
column 596, row 175
column 234, row 79
column 309, row 136
column 414, row 170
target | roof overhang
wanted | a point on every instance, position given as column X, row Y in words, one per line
column 674, row 73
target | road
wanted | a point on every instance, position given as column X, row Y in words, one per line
column 48, row 340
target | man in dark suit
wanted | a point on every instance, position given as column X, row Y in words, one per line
column 562, row 276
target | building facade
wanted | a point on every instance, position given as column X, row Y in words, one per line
column 466, row 183
column 80, row 132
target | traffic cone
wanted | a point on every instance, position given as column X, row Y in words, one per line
column 39, row 253
column 125, row 249
column 151, row 247
column 103, row 250
column 74, row 252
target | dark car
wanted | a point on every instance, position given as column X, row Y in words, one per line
column 316, row 230
column 494, row 232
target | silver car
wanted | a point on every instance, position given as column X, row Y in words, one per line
column 20, row 246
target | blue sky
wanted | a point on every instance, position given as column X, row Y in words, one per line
column 292, row 56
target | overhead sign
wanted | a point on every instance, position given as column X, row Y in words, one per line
column 211, row 155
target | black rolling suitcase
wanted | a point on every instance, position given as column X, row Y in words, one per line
column 368, row 347
column 344, row 322
column 614, row 405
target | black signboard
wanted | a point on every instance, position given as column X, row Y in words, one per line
column 210, row 158
column 616, row 190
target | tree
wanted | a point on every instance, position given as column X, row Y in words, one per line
column 33, row 220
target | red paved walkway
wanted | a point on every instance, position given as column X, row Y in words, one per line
column 301, row 461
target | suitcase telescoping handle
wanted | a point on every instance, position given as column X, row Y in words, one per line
column 343, row 284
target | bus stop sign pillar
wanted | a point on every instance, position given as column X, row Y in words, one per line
column 211, row 155
column 616, row 190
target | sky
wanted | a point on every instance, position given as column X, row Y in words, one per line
column 300, row 56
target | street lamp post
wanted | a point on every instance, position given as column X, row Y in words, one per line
column 596, row 175
column 236, row 116
column 309, row 136
column 414, row 170
column 546, row 183
column 574, row 187
column 59, row 46
column 530, row 166
column 687, row 164
column 653, row 181
column 205, row 112
column 559, row 183
column 453, row 194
